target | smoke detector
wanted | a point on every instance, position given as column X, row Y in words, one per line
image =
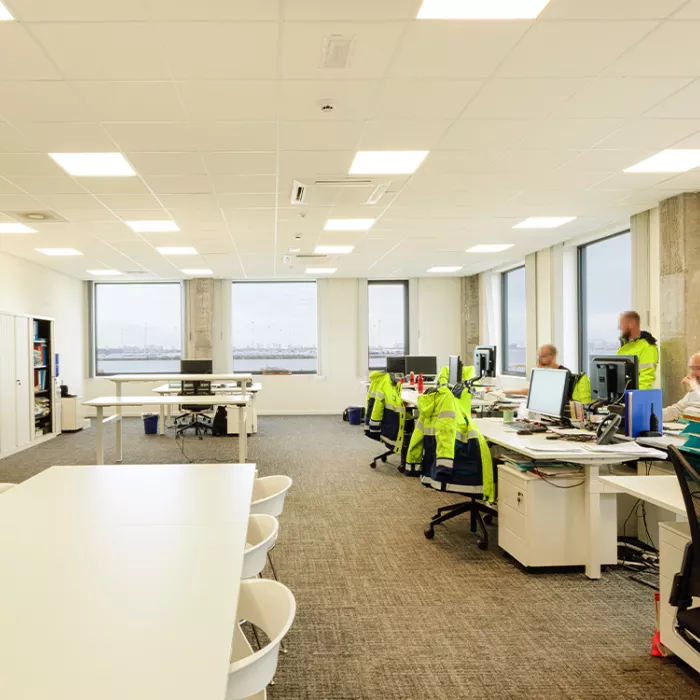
column 46, row 216
column 327, row 106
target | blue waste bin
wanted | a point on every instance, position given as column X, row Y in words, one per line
column 150, row 423
column 354, row 415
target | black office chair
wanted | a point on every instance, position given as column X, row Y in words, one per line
column 194, row 416
column 686, row 584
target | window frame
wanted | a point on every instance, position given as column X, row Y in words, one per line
column 277, row 281
column 93, row 315
column 504, row 322
column 407, row 320
column 581, row 291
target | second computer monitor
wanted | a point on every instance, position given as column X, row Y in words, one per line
column 396, row 365
column 455, row 365
column 548, row 391
column 421, row 364
column 612, row 375
column 196, row 366
column 485, row 361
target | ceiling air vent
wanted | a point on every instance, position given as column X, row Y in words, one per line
column 337, row 51
column 311, row 256
column 45, row 216
column 331, row 191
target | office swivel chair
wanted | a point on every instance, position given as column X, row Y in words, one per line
column 194, row 416
column 686, row 583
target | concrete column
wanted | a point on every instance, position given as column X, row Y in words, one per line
column 531, row 311
column 199, row 305
column 679, row 224
column 470, row 317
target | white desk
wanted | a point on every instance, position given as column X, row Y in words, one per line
column 410, row 398
column 661, row 491
column 241, row 401
column 140, row 604
column 495, row 431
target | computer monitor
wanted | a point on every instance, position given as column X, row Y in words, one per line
column 421, row 364
column 196, row 366
column 455, row 365
column 548, row 391
column 485, row 361
column 396, row 365
column 612, row 375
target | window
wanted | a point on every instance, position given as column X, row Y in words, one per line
column 274, row 327
column 605, row 290
column 138, row 328
column 513, row 314
column 388, row 321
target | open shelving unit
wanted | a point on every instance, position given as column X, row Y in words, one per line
column 44, row 399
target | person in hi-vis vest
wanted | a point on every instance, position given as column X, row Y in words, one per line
column 634, row 341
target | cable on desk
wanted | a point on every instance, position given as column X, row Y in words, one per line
column 548, row 479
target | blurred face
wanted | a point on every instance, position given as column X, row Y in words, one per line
column 627, row 327
column 694, row 367
column 546, row 358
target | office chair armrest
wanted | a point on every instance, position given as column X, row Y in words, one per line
column 681, row 597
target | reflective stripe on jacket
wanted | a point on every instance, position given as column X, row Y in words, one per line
column 648, row 355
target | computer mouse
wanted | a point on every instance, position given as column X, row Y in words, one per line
column 524, row 432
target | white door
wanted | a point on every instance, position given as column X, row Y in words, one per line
column 8, row 382
column 24, row 389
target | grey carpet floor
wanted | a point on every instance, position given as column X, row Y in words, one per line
column 383, row 613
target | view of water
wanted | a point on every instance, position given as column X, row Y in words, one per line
column 137, row 366
column 307, row 364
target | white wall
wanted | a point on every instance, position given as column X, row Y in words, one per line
column 437, row 302
column 26, row 288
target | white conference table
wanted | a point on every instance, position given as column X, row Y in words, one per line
column 116, row 588
column 241, row 401
column 662, row 491
column 497, row 432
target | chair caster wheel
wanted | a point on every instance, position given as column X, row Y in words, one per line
column 429, row 533
column 373, row 465
column 402, row 469
column 384, row 460
column 482, row 545
column 488, row 519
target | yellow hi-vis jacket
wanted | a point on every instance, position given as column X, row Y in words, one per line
column 387, row 418
column 582, row 389
column 648, row 354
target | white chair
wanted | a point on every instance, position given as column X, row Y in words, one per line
column 269, row 493
column 6, row 487
column 270, row 606
column 261, row 538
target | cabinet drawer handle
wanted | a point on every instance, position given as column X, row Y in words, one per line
column 520, row 497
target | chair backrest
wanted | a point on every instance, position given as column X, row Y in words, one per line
column 689, row 480
column 269, row 493
column 196, row 388
column 270, row 606
column 260, row 539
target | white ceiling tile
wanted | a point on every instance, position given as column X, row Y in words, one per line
column 103, row 51
column 683, row 104
column 218, row 10
column 13, row 141
column 41, row 101
column 130, row 201
column 167, row 184
column 455, row 49
column 688, row 182
column 229, row 100
column 619, row 97
column 314, row 10
column 308, row 164
column 79, row 10
column 246, row 201
column 71, row 137
column 88, row 216
column 132, row 101
column 304, row 45
column 319, row 135
column 494, row 135
column 424, row 99
column 250, row 219
column 240, row 163
column 577, row 134
column 6, row 187
column 386, row 134
column 236, row 136
column 167, row 163
column 691, row 10
column 59, row 202
column 629, row 181
column 566, row 178
column 211, row 50
column 671, row 50
column 28, row 164
column 21, row 57
column 243, row 184
column 608, row 161
column 113, row 185
column 302, row 99
column 651, row 133
column 610, row 9
column 136, row 214
column 554, row 49
column 187, row 217
column 532, row 161
column 525, row 98
column 20, row 202
column 152, row 136
column 201, row 200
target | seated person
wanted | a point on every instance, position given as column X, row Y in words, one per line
column 546, row 359
column 692, row 398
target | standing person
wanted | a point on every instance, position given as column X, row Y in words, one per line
column 692, row 398
column 634, row 341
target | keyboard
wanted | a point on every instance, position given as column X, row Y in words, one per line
column 524, row 425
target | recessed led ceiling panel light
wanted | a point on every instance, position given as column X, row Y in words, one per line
column 177, row 250
column 387, row 162
column 481, row 9
column 5, row 15
column 58, row 251
column 153, row 226
column 490, row 248
column 94, row 164
column 321, row 270
column 103, row 273
column 349, row 224
column 445, row 268
column 672, row 160
column 16, row 228
column 544, row 222
column 333, row 249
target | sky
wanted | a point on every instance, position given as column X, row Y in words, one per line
column 386, row 315
column 516, row 305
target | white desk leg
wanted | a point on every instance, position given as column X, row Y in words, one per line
column 593, row 490
column 100, row 432
column 242, row 435
column 161, row 420
column 119, row 423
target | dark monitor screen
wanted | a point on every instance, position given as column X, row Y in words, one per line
column 455, row 365
column 196, row 366
column 396, row 365
column 421, row 364
column 612, row 375
column 485, row 361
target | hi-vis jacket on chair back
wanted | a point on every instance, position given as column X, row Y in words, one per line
column 386, row 417
column 453, row 454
